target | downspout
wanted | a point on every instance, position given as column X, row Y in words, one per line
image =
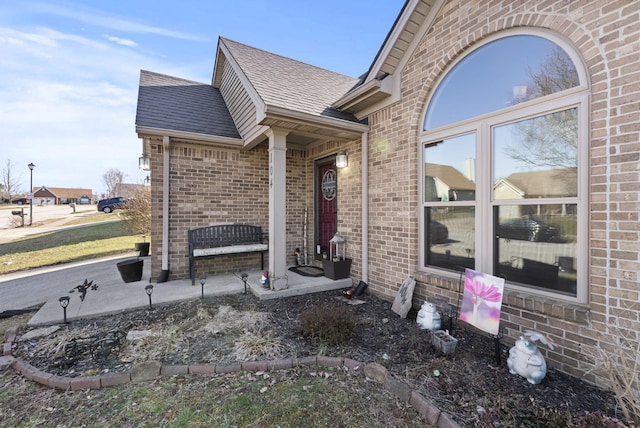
column 164, row 275
column 365, row 207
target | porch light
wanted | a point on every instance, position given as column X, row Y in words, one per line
column 342, row 160
column 144, row 162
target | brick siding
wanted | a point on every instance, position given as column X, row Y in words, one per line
column 606, row 34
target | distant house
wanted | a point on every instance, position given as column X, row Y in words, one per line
column 128, row 190
column 551, row 183
column 58, row 195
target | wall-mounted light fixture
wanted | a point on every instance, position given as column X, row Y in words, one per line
column 342, row 159
column 144, row 162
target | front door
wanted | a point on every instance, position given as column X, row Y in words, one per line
column 326, row 204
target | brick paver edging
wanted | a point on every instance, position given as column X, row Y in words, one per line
column 151, row 370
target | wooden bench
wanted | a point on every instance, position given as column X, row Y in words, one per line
column 224, row 239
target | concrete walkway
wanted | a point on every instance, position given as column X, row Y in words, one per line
column 45, row 286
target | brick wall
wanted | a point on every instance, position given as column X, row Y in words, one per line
column 606, row 34
column 212, row 185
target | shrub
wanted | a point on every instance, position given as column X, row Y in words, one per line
column 137, row 213
column 327, row 324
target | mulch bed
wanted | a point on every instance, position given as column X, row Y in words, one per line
column 469, row 384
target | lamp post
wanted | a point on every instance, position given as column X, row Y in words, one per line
column 31, row 166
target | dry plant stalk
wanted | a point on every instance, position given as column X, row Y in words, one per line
column 620, row 365
column 137, row 213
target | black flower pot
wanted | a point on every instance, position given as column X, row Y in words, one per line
column 143, row 248
column 130, row 270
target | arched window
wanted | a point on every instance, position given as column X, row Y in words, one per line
column 504, row 157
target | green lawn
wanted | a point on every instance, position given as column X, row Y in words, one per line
column 66, row 246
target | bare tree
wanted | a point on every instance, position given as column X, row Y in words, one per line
column 111, row 179
column 11, row 184
column 550, row 140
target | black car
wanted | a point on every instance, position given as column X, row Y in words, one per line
column 438, row 232
column 528, row 229
column 20, row 201
column 110, row 204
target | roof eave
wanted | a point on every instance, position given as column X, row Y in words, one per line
column 143, row 131
column 345, row 129
column 365, row 96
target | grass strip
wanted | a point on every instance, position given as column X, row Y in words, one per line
column 66, row 246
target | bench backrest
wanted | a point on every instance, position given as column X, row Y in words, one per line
column 224, row 235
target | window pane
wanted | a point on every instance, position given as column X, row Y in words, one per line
column 537, row 250
column 449, row 169
column 537, row 158
column 450, row 237
column 500, row 74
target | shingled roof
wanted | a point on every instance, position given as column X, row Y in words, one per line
column 171, row 103
column 287, row 83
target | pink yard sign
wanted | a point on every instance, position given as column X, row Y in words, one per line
column 482, row 301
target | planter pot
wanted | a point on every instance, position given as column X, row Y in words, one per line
column 143, row 248
column 444, row 342
column 130, row 270
column 337, row 270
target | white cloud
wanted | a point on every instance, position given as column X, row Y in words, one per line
column 67, row 104
column 123, row 42
column 104, row 20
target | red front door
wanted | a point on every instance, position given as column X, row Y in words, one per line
column 326, row 204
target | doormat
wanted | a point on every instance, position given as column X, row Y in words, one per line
column 307, row 270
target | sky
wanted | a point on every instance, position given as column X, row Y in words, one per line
column 69, row 70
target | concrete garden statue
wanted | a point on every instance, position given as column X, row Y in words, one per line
column 428, row 318
column 526, row 360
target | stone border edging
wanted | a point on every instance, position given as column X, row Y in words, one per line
column 151, row 370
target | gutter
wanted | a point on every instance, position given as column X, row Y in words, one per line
column 365, row 207
column 164, row 275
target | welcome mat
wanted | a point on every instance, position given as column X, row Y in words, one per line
column 307, row 270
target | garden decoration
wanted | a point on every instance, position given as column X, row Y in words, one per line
column 64, row 302
column 149, row 290
column 443, row 341
column 264, row 280
column 244, row 278
column 99, row 346
column 428, row 318
column 482, row 302
column 525, row 358
column 402, row 303
column 82, row 288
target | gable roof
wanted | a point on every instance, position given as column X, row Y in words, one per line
column 286, row 83
column 62, row 192
column 175, row 104
column 450, row 176
column 551, row 182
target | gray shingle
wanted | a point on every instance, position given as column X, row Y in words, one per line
column 287, row 83
column 172, row 103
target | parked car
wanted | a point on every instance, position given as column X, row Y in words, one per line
column 528, row 229
column 20, row 201
column 438, row 232
column 110, row 204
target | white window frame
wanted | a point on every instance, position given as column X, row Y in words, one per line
column 484, row 204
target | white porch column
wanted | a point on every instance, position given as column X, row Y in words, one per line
column 278, row 209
